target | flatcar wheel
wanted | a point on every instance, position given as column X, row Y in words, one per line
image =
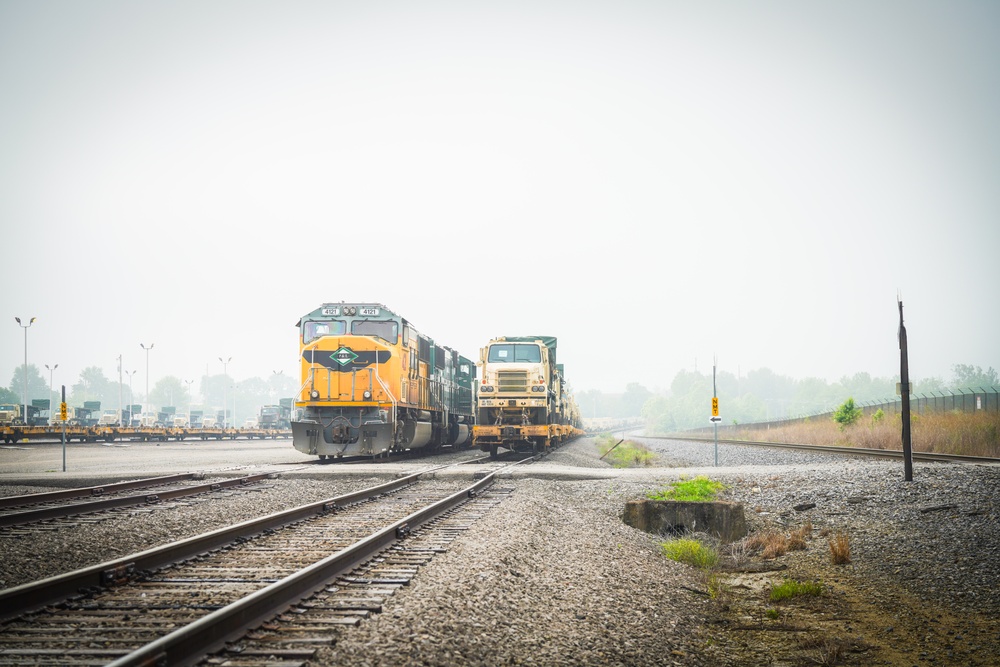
column 322, row 457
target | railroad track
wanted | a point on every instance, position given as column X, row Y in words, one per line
column 830, row 449
column 22, row 511
column 175, row 604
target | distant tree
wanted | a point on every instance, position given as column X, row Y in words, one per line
column 38, row 387
column 746, row 409
column 686, row 382
column 928, row 385
column 973, row 377
column 847, row 414
column 251, row 393
column 169, row 391
column 657, row 415
column 591, row 403
column 213, row 389
column 93, row 385
column 7, row 396
column 281, row 386
column 634, row 399
column 814, row 395
column 765, row 384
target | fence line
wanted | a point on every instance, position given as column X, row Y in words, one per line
column 962, row 400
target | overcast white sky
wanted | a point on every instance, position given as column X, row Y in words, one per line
column 654, row 183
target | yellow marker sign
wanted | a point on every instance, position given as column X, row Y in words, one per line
column 715, row 406
column 62, row 411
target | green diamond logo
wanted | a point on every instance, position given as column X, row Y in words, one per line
column 344, row 356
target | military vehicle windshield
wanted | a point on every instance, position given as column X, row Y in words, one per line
column 386, row 330
column 313, row 330
column 511, row 353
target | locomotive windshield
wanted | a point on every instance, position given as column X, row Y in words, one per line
column 313, row 330
column 511, row 353
column 386, row 330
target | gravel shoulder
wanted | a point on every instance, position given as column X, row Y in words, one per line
column 552, row 576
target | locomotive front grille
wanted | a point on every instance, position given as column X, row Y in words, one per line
column 512, row 381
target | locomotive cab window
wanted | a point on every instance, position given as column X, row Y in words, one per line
column 313, row 330
column 387, row 331
column 514, row 354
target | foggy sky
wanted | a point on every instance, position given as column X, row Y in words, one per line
column 654, row 183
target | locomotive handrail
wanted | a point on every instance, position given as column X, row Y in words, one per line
column 385, row 388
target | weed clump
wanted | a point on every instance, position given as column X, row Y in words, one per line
column 790, row 588
column 692, row 552
column 699, row 489
column 840, row 549
column 625, row 454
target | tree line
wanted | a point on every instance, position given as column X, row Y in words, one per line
column 761, row 395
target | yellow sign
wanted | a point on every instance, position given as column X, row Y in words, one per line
column 715, row 406
column 62, row 411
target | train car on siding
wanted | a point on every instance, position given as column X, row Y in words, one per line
column 373, row 385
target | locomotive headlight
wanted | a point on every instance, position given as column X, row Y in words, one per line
column 314, row 394
column 367, row 395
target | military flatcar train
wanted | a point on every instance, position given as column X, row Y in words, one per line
column 372, row 385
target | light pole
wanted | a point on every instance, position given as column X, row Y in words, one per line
column 148, row 408
column 51, row 371
column 131, row 397
column 225, row 396
column 24, row 417
column 188, row 383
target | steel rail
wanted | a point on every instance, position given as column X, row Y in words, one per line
column 84, row 492
column 190, row 644
column 35, row 595
column 831, row 449
column 60, row 511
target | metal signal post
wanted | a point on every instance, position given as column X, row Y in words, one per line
column 715, row 418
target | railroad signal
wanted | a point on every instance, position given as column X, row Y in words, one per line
column 715, row 406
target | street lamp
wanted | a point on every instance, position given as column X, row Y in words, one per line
column 189, row 383
column 225, row 396
column 148, row 404
column 51, row 371
column 24, row 417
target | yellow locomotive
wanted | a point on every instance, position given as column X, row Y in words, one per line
column 372, row 384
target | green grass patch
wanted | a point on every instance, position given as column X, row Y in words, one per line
column 790, row 588
column 692, row 552
column 699, row 489
column 628, row 454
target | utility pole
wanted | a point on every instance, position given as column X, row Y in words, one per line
column 904, row 391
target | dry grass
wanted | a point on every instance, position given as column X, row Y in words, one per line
column 797, row 538
column 968, row 434
column 771, row 544
column 840, row 549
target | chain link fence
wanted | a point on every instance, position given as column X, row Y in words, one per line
column 981, row 399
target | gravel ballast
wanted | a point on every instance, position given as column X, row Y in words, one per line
column 551, row 575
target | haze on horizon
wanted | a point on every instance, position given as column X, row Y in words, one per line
column 655, row 184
